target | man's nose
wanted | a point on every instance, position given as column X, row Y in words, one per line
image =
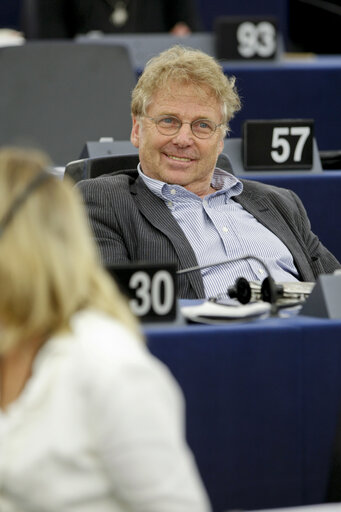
column 185, row 135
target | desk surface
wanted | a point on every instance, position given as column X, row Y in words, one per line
column 262, row 400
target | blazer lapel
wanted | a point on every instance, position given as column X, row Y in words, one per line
column 270, row 216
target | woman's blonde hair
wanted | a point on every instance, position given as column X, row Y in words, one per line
column 49, row 267
column 185, row 65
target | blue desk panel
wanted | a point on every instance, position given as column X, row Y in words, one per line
column 262, row 401
column 296, row 88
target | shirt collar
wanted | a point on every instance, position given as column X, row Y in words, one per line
column 222, row 181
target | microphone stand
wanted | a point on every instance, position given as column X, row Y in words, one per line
column 271, row 291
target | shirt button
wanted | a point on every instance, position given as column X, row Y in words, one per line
column 205, row 202
column 169, row 203
column 261, row 271
column 173, row 191
column 225, row 229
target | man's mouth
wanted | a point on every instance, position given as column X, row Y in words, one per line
column 179, row 158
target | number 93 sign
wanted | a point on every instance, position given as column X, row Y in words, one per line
column 239, row 38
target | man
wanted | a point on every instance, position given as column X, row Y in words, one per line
column 179, row 207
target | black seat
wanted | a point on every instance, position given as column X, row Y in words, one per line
column 86, row 168
column 93, row 167
column 55, row 95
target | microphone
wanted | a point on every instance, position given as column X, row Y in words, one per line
column 242, row 291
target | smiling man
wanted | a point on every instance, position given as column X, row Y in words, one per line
column 187, row 140
column 178, row 206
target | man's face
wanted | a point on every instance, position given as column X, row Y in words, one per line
column 183, row 158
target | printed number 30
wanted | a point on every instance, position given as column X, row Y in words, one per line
column 148, row 291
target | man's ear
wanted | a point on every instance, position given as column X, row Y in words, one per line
column 135, row 133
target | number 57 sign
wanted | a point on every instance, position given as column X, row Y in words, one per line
column 278, row 144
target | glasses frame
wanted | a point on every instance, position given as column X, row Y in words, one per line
column 164, row 116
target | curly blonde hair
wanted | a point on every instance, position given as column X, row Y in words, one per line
column 190, row 66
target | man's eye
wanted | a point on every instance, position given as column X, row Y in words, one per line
column 169, row 121
column 204, row 125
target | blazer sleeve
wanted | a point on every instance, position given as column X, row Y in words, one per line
column 98, row 197
column 322, row 260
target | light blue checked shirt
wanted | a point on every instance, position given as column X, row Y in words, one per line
column 218, row 228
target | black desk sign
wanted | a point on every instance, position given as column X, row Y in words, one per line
column 245, row 38
column 150, row 289
column 275, row 144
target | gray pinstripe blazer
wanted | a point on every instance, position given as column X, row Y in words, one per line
column 131, row 224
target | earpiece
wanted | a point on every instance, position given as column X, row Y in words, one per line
column 269, row 291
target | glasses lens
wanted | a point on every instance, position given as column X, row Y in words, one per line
column 168, row 125
column 203, row 128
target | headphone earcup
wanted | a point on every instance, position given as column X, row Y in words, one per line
column 270, row 291
column 241, row 290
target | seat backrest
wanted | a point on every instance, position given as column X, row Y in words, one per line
column 55, row 95
column 86, row 168
column 93, row 167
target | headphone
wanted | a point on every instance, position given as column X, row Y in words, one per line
column 21, row 198
column 243, row 291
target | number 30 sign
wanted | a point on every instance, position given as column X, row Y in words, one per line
column 150, row 289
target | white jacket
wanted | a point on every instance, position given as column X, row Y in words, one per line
column 97, row 428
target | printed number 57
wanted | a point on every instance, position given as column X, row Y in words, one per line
column 280, row 142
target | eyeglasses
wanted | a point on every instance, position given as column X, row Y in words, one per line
column 170, row 125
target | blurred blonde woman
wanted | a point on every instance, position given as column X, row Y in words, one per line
column 89, row 420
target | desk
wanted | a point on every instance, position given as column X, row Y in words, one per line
column 262, row 401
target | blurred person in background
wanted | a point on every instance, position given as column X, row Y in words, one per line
column 44, row 19
column 10, row 23
column 89, row 419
